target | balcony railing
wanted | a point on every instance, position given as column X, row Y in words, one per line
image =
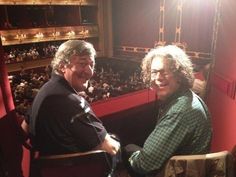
column 24, row 36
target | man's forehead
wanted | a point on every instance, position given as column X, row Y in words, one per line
column 83, row 57
column 159, row 63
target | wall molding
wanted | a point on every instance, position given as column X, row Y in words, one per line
column 225, row 85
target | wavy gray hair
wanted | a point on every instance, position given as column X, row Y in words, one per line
column 180, row 64
column 70, row 48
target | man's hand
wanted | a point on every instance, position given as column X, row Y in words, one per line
column 109, row 145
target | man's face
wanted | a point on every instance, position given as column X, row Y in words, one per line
column 162, row 79
column 79, row 71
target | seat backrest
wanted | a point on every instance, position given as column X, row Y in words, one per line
column 233, row 151
column 88, row 164
column 220, row 164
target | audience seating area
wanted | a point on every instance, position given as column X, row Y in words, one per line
column 112, row 78
column 29, row 52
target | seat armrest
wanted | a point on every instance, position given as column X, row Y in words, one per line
column 83, row 164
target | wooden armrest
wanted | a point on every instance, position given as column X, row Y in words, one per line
column 95, row 156
column 188, row 157
column 81, row 164
column 77, row 154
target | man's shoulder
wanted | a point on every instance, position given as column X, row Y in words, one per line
column 182, row 102
column 189, row 105
column 53, row 87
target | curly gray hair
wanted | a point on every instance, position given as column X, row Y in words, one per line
column 180, row 64
column 70, row 48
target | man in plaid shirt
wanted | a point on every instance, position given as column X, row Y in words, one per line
column 183, row 126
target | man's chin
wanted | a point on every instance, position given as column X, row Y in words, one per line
column 85, row 85
column 81, row 88
column 162, row 96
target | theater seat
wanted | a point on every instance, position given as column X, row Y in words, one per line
column 220, row 164
column 88, row 164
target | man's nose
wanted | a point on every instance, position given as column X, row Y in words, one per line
column 157, row 76
column 89, row 69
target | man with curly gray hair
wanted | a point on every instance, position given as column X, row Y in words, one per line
column 183, row 122
column 61, row 120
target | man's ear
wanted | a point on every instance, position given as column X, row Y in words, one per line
column 62, row 67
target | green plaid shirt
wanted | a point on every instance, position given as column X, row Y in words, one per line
column 183, row 127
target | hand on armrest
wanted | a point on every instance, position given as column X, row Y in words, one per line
column 109, row 145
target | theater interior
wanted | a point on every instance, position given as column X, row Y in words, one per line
column 122, row 31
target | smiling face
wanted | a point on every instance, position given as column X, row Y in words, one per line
column 79, row 71
column 162, row 79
